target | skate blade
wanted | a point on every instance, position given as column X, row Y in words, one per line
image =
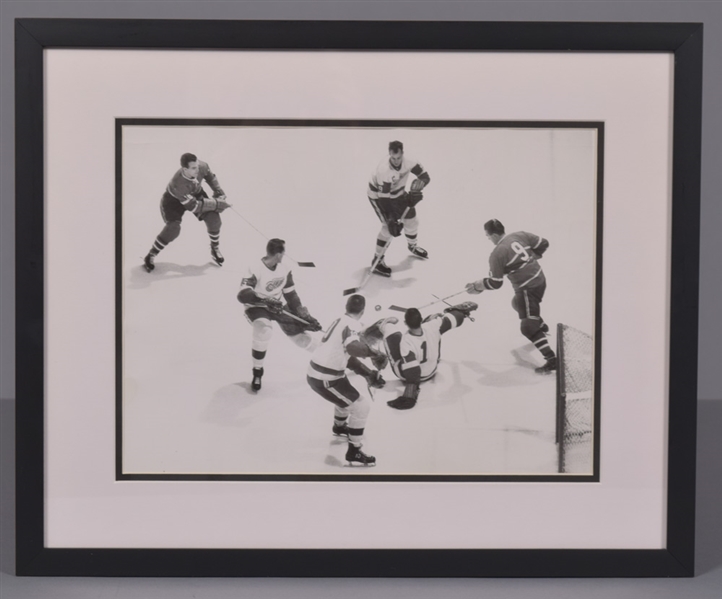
column 359, row 464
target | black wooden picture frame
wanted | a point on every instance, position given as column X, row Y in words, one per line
column 33, row 36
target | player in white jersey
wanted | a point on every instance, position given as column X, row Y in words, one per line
column 415, row 353
column 343, row 345
column 389, row 198
column 263, row 287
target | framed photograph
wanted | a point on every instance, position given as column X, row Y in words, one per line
column 278, row 279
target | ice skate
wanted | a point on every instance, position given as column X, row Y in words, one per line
column 354, row 456
column 418, row 252
column 340, row 430
column 549, row 367
column 217, row 256
column 149, row 262
column 381, row 269
column 256, row 382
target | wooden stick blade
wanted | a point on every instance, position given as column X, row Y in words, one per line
column 350, row 291
column 397, row 308
column 306, row 264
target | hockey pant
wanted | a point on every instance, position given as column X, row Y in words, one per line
column 349, row 404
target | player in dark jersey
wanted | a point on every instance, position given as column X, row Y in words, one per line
column 183, row 194
column 389, row 198
column 516, row 256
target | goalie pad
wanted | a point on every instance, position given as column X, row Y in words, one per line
column 466, row 308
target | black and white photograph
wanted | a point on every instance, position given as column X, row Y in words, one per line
column 393, row 300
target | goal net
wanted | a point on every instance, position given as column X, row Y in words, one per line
column 575, row 409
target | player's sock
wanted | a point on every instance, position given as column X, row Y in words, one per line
column 542, row 344
column 149, row 260
column 340, row 428
column 258, row 357
column 158, row 245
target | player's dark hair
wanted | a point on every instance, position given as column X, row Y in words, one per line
column 494, row 227
column 396, row 146
column 355, row 304
column 275, row 246
column 187, row 158
column 412, row 318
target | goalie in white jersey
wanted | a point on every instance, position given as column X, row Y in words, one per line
column 263, row 286
column 343, row 345
column 415, row 353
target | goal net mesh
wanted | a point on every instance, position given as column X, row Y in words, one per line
column 575, row 412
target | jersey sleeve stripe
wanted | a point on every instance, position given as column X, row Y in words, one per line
column 408, row 365
column 324, row 370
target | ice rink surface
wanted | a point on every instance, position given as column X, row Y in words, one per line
column 187, row 404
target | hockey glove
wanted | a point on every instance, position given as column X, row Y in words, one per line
column 273, row 305
column 417, row 185
column 466, row 308
column 313, row 324
column 204, row 205
column 380, row 361
column 413, row 197
column 221, row 204
column 375, row 380
column 473, row 288
column 395, row 227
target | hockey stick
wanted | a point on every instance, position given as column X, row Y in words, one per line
column 469, row 316
column 441, row 299
column 376, row 261
column 301, row 264
column 286, row 312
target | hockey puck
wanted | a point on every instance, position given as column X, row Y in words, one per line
column 378, row 308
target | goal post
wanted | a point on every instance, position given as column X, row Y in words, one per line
column 574, row 406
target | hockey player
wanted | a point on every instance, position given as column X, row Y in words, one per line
column 516, row 255
column 186, row 194
column 342, row 347
column 415, row 353
column 262, row 288
column 388, row 196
